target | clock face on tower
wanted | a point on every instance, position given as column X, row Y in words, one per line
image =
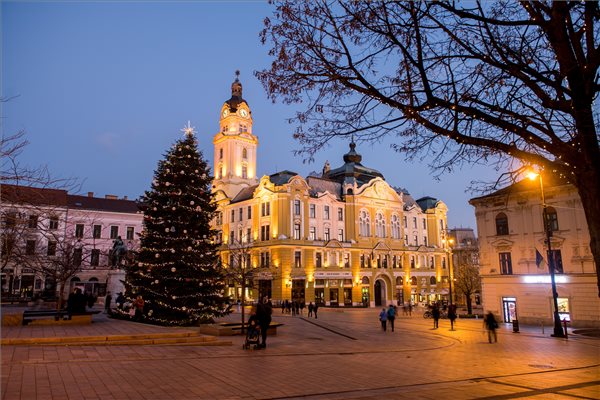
column 225, row 113
column 243, row 113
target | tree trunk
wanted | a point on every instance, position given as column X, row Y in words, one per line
column 469, row 304
column 243, row 304
column 59, row 301
column 589, row 192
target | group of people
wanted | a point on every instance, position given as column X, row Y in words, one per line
column 386, row 316
column 136, row 308
column 78, row 301
column 436, row 314
column 260, row 316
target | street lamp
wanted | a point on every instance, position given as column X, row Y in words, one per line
column 558, row 331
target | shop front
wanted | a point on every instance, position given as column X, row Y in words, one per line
column 333, row 289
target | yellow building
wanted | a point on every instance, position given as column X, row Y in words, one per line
column 343, row 238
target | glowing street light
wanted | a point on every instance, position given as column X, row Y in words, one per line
column 558, row 331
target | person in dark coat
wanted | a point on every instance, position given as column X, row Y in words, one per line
column 120, row 300
column 452, row 315
column 391, row 316
column 264, row 310
column 435, row 313
column 310, row 309
column 489, row 322
column 107, row 301
column 383, row 319
column 315, row 309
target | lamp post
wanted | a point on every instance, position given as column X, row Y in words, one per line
column 558, row 330
column 447, row 242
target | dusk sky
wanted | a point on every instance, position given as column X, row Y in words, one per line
column 103, row 90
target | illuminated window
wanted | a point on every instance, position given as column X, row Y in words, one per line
column 364, row 223
column 296, row 207
column 326, row 212
column 379, row 225
column 313, row 233
column 244, row 153
column 326, row 235
column 395, row 227
column 311, row 211
column 297, row 231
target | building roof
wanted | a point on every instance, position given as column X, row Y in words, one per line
column 282, row 177
column 32, row 195
column 427, row 202
column 525, row 185
column 352, row 169
column 244, row 194
column 102, row 204
column 321, row 185
column 236, row 95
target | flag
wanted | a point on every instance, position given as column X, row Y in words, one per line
column 538, row 259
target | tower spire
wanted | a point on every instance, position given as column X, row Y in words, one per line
column 236, row 86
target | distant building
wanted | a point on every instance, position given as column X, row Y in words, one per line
column 38, row 223
column 513, row 254
column 465, row 251
column 340, row 238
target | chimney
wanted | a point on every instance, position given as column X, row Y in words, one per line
column 111, row 197
column 90, row 194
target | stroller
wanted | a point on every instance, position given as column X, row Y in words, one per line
column 252, row 334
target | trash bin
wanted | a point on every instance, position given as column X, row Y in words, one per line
column 515, row 325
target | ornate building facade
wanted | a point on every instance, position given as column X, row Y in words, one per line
column 343, row 238
column 514, row 260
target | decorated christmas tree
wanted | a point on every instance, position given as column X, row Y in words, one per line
column 177, row 275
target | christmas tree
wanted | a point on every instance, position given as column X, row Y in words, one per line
column 177, row 272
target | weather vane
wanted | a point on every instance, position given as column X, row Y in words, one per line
column 188, row 130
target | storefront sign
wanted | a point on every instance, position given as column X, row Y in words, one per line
column 544, row 279
column 333, row 275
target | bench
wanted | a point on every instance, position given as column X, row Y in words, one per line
column 232, row 328
column 57, row 316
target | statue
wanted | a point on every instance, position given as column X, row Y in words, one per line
column 326, row 168
column 118, row 251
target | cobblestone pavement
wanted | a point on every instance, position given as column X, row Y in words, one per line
column 341, row 355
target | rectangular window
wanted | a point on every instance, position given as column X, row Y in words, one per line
column 424, row 240
column 114, row 231
column 416, row 240
column 311, row 211
column 340, row 214
column 424, row 223
column 298, row 259
column 241, row 214
column 405, row 222
column 130, row 232
column 53, row 225
column 558, row 265
column 326, row 234
column 297, row 231
column 79, row 230
column 30, row 247
column 362, row 260
column 264, row 260
column 326, row 212
column 347, row 260
column 394, row 261
column 444, row 263
column 406, row 240
column 296, row 207
column 231, row 236
column 249, row 234
column 77, row 256
column 265, row 209
column 313, row 233
column 415, row 222
column 51, row 248
column 249, row 212
column 318, row 260
column 264, row 232
column 97, row 231
column 431, row 263
column 378, row 261
column 95, row 258
column 341, row 235
column 412, row 262
column 232, row 215
column 219, row 218
column 33, row 222
column 505, row 263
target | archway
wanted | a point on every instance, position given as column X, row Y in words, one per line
column 380, row 291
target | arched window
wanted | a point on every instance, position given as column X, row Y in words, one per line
column 364, row 223
column 220, row 154
column 432, row 280
column 395, row 227
column 244, row 153
column 399, row 281
column 501, row 224
column 365, row 280
column 413, row 280
column 379, row 225
column 552, row 219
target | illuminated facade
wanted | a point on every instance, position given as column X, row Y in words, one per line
column 515, row 276
column 343, row 238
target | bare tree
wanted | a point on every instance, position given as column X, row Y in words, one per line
column 467, row 279
column 503, row 83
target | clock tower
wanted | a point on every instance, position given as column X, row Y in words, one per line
column 235, row 145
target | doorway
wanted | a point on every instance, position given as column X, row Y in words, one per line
column 509, row 308
column 264, row 289
column 379, row 293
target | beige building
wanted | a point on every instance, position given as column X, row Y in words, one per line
column 513, row 254
column 342, row 238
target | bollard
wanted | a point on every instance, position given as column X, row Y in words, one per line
column 566, row 332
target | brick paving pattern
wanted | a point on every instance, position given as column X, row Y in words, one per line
column 342, row 355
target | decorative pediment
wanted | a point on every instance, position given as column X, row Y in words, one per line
column 502, row 244
column 379, row 189
column 556, row 241
column 382, row 246
column 334, row 243
column 298, row 183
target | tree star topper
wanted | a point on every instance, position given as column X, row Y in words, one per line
column 188, row 129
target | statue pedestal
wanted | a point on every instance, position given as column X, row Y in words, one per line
column 115, row 284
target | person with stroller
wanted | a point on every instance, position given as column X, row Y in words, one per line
column 264, row 310
column 253, row 331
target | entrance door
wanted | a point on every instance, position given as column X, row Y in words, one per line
column 365, row 296
column 298, row 289
column 264, row 289
column 320, row 296
column 378, row 293
column 347, row 296
column 333, row 297
column 509, row 307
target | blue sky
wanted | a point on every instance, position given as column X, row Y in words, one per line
column 104, row 89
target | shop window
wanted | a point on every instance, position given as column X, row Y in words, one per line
column 564, row 312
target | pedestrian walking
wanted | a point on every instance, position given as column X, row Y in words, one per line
column 297, row 306
column 435, row 313
column 264, row 310
column 107, row 305
column 452, row 315
column 404, row 309
column 391, row 316
column 489, row 322
column 302, row 305
column 316, row 308
column 383, row 319
column 310, row 309
column 409, row 309
column 293, row 307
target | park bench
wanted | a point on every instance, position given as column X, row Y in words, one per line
column 57, row 315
